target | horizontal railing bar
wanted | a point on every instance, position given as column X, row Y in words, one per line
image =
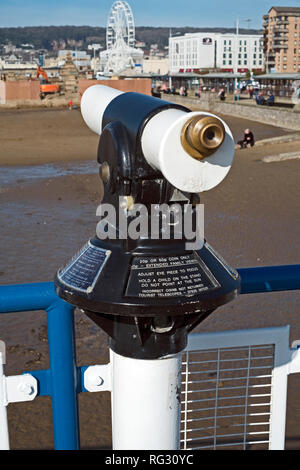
column 197, row 429
column 221, row 389
column 227, row 398
column 249, row 443
column 216, row 436
column 219, row 427
column 44, row 380
column 27, row 297
column 233, row 349
column 266, row 423
column 225, row 407
column 224, row 370
column 191, row 420
column 226, row 379
column 219, row 361
column 270, row 279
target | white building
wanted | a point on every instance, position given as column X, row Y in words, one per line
column 156, row 66
column 228, row 52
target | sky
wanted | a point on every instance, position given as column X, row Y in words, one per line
column 176, row 13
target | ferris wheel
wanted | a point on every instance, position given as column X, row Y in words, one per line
column 120, row 24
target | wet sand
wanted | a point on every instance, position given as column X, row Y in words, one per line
column 252, row 219
column 34, row 136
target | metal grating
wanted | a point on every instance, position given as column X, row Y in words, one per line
column 226, row 398
column 228, row 393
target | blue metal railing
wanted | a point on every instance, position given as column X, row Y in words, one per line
column 63, row 381
column 270, row 279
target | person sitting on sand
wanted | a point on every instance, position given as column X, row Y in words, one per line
column 247, row 140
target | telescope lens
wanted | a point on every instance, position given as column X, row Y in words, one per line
column 210, row 135
column 202, row 136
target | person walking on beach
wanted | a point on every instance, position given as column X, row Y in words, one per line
column 247, row 140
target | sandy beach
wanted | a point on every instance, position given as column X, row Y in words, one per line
column 49, row 192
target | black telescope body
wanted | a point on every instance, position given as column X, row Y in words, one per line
column 147, row 294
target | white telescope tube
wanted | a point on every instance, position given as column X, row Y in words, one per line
column 161, row 143
column 146, row 403
column 94, row 101
column 162, row 147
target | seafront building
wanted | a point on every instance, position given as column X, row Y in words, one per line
column 156, row 65
column 282, row 39
column 227, row 52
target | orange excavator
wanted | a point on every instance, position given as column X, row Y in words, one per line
column 46, row 88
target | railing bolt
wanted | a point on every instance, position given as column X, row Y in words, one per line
column 98, row 381
column 97, row 378
column 26, row 388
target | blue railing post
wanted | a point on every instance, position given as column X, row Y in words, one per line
column 63, row 376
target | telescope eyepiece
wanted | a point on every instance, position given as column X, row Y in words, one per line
column 202, row 136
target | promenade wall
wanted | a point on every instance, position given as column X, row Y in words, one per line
column 264, row 114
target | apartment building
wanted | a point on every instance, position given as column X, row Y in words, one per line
column 282, row 39
column 227, row 52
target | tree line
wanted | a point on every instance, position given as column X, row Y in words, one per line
column 50, row 37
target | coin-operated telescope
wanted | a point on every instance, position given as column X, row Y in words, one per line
column 149, row 289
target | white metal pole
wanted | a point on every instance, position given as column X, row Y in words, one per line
column 170, row 59
column 236, row 51
column 146, row 403
column 4, row 436
column 94, row 62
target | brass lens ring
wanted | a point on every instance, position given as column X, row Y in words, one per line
column 202, row 136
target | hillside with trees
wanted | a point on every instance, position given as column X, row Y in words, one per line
column 52, row 38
